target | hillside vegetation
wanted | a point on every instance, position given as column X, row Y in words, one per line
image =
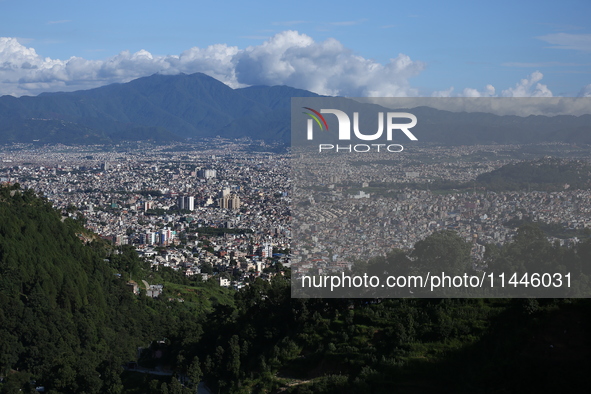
column 69, row 323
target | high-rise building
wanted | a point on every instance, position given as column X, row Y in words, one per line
column 229, row 201
column 186, row 203
column 148, row 205
column 150, row 238
column 164, row 237
column 207, row 173
column 266, row 250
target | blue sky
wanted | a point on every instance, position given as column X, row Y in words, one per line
column 371, row 48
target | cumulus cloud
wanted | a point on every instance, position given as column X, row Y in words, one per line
column 443, row 93
column 327, row 67
column 24, row 72
column 529, row 87
column 288, row 58
column 489, row 91
column 585, row 91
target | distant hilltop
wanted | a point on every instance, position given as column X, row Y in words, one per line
column 161, row 108
column 165, row 108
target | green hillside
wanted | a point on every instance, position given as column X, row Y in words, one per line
column 69, row 323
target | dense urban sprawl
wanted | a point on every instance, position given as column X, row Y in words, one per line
column 222, row 208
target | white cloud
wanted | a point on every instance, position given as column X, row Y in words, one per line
column 24, row 72
column 489, row 91
column 529, row 87
column 288, row 58
column 443, row 93
column 327, row 67
column 585, row 91
column 577, row 42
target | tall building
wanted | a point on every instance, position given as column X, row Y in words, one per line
column 150, row 238
column 186, row 203
column 148, row 205
column 207, row 173
column 163, row 237
column 266, row 250
column 229, row 201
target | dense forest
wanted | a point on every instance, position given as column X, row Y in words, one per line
column 542, row 174
column 547, row 174
column 69, row 323
column 67, row 320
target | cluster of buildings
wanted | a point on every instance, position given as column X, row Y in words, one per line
column 214, row 205
column 346, row 208
column 345, row 229
column 219, row 209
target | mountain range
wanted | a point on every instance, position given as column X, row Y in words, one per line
column 165, row 108
column 158, row 107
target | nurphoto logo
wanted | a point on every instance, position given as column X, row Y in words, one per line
column 391, row 119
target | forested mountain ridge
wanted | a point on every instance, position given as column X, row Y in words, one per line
column 542, row 174
column 53, row 293
column 66, row 321
column 165, row 108
column 159, row 107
